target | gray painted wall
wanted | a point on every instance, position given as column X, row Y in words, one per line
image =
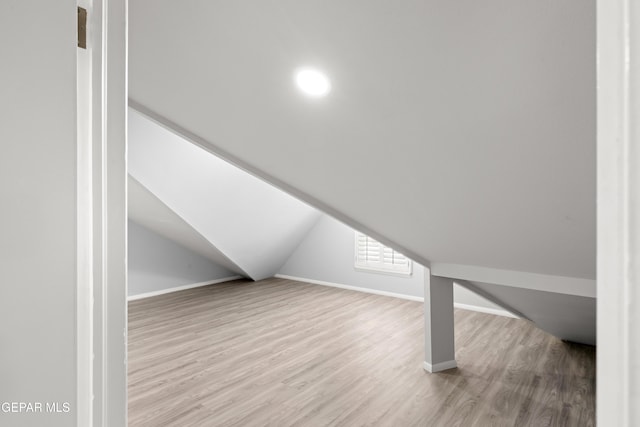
column 156, row 263
column 327, row 254
column 38, row 247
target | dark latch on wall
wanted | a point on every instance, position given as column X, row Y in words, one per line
column 82, row 28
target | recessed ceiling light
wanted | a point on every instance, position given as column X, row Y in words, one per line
column 312, row 82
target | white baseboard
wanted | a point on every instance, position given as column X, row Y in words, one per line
column 480, row 309
column 442, row 366
column 349, row 287
column 487, row 310
column 181, row 288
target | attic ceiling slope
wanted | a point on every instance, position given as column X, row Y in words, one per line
column 147, row 210
column 253, row 224
column 568, row 317
column 461, row 132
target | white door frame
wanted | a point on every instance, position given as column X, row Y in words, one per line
column 618, row 364
column 102, row 217
column 110, row 206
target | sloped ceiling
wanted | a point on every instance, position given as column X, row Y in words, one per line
column 458, row 132
column 146, row 209
column 569, row 317
column 252, row 224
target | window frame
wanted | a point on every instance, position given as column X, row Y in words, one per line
column 380, row 267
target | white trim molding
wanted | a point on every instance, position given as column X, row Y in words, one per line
column 181, row 288
column 469, row 307
column 439, row 367
column 618, row 362
column 350, row 288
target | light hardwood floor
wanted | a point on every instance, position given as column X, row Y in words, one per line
column 283, row 353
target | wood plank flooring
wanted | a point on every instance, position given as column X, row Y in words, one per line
column 283, row 353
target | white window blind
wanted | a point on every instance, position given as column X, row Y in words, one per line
column 373, row 255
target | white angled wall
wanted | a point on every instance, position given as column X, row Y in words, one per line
column 251, row 222
column 145, row 208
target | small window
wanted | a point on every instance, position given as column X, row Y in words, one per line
column 373, row 255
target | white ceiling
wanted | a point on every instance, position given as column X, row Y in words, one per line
column 460, row 132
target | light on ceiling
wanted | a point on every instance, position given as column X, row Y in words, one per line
column 312, row 82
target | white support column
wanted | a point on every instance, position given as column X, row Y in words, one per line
column 439, row 338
